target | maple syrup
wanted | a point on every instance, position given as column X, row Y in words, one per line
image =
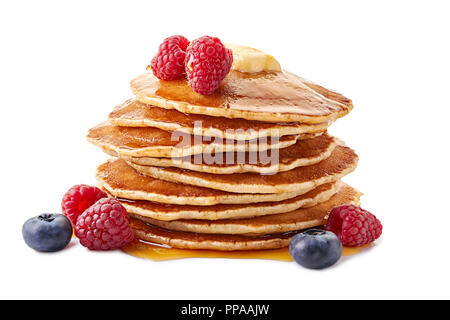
column 154, row 252
column 265, row 96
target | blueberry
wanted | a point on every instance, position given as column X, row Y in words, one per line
column 315, row 248
column 47, row 232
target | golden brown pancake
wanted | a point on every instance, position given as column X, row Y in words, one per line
column 222, row 242
column 342, row 161
column 266, row 96
column 133, row 113
column 170, row 212
column 122, row 181
column 154, row 142
column 231, row 242
column 269, row 224
column 304, row 153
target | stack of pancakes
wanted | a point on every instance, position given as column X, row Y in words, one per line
column 245, row 168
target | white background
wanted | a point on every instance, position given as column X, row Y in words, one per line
column 65, row 65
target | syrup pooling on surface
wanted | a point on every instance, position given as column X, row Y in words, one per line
column 271, row 92
column 155, row 252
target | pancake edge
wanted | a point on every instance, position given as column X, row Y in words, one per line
column 306, row 186
column 279, row 207
column 234, row 113
column 224, row 228
column 238, row 168
column 276, row 131
column 172, row 151
column 196, row 201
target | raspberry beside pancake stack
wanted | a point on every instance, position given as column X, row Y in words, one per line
column 242, row 169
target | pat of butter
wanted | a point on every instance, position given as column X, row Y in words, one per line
column 251, row 60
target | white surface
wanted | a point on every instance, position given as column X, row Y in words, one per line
column 64, row 66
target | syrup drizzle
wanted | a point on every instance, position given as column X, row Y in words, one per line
column 155, row 252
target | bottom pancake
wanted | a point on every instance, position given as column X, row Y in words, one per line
column 245, row 230
column 223, row 242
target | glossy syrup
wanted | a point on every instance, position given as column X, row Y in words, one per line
column 154, row 252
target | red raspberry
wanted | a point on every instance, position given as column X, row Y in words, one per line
column 168, row 64
column 207, row 64
column 104, row 226
column 354, row 225
column 78, row 199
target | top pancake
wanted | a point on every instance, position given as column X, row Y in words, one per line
column 266, row 96
column 133, row 113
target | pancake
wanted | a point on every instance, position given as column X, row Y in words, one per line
column 232, row 242
column 222, row 242
column 154, row 142
column 265, row 96
column 133, row 113
column 170, row 212
column 122, row 181
column 270, row 224
column 342, row 161
column 304, row 153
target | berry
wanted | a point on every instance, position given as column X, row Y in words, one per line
column 168, row 64
column 354, row 225
column 207, row 64
column 78, row 199
column 47, row 232
column 104, row 226
column 315, row 249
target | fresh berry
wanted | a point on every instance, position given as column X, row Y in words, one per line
column 104, row 226
column 168, row 64
column 315, row 249
column 47, row 232
column 78, row 199
column 354, row 225
column 207, row 64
